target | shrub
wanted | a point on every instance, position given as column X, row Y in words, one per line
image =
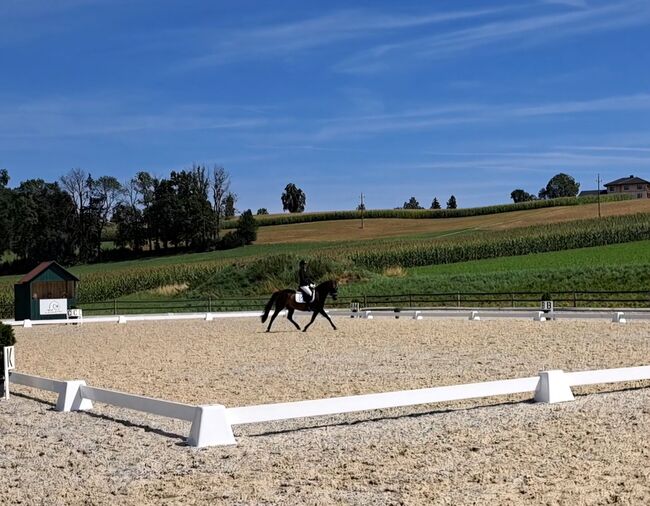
column 247, row 227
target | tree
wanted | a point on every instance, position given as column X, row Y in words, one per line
column 560, row 185
column 106, row 193
column 293, row 199
column 162, row 213
column 220, row 188
column 451, row 203
column 412, row 204
column 520, row 195
column 261, row 211
column 435, row 204
column 76, row 184
column 229, row 205
column 44, row 222
column 144, row 185
column 130, row 226
column 5, row 212
column 247, row 227
column 193, row 216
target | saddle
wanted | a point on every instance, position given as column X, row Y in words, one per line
column 300, row 297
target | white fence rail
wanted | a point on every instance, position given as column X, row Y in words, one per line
column 340, row 405
column 150, row 405
column 136, row 318
column 212, row 424
column 416, row 314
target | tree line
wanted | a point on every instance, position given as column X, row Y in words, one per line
column 66, row 220
column 560, row 185
column 413, row 203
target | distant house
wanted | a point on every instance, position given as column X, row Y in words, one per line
column 634, row 186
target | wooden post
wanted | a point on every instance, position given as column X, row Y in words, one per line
column 114, row 306
column 458, row 298
column 598, row 195
column 362, row 208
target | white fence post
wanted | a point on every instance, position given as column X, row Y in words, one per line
column 70, row 398
column 27, row 324
column 553, row 387
column 210, row 427
column 540, row 317
column 417, row 315
column 121, row 319
column 474, row 316
column 619, row 317
column 368, row 315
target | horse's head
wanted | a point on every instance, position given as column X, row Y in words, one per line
column 330, row 287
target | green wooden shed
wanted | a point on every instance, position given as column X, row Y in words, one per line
column 46, row 292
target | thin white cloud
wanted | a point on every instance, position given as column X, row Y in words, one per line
column 426, row 118
column 289, row 38
column 626, row 149
column 531, row 29
column 58, row 118
column 569, row 3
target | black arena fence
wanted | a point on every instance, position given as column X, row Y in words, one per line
column 607, row 299
column 515, row 299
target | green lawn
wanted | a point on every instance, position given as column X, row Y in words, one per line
column 615, row 267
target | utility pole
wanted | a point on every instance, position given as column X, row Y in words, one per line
column 362, row 207
column 598, row 187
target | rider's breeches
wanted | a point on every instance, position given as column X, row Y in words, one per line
column 307, row 291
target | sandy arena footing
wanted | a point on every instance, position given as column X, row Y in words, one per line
column 500, row 450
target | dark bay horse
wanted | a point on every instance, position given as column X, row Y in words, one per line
column 287, row 299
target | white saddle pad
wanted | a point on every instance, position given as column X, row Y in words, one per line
column 300, row 299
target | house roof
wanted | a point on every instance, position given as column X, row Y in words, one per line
column 40, row 268
column 628, row 180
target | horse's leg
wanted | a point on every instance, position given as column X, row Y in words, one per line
column 313, row 317
column 322, row 311
column 290, row 318
column 275, row 314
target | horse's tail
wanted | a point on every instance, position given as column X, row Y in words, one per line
column 269, row 305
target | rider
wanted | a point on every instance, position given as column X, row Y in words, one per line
column 305, row 284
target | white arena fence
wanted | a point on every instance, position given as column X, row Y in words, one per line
column 212, row 424
column 618, row 316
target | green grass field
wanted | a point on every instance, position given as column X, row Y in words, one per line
column 614, row 267
column 610, row 268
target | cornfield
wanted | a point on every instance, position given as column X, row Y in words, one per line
column 287, row 219
column 524, row 241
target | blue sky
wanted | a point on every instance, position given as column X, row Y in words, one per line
column 390, row 98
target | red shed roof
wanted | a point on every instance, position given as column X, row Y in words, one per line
column 43, row 266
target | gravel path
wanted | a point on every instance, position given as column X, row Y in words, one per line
column 500, row 450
